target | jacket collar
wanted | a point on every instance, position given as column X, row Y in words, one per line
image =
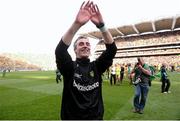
column 82, row 61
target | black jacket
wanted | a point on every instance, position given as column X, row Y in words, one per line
column 82, row 92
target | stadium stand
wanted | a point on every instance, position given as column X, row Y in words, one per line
column 157, row 41
column 16, row 64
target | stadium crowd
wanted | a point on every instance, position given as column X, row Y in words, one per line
column 150, row 39
column 131, row 47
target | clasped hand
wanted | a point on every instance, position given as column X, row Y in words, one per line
column 89, row 11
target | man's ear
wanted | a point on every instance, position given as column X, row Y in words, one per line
column 90, row 54
column 75, row 51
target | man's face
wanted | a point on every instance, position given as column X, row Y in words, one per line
column 83, row 48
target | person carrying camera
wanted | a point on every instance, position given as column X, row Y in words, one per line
column 141, row 80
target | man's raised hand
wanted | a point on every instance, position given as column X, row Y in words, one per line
column 96, row 16
column 84, row 13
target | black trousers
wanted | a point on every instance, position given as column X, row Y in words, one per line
column 121, row 77
column 113, row 77
column 165, row 85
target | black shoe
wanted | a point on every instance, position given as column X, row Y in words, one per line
column 140, row 112
column 135, row 110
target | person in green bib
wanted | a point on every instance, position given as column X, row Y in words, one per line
column 142, row 74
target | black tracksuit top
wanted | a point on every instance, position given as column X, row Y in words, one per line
column 82, row 92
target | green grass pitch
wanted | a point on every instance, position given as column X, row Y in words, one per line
column 36, row 96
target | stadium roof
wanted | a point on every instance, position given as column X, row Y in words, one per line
column 160, row 25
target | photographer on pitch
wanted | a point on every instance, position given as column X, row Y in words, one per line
column 141, row 81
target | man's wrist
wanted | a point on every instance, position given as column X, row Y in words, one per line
column 102, row 27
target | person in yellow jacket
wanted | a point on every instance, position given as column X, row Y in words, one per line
column 117, row 66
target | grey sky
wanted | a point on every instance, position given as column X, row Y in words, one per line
column 36, row 26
